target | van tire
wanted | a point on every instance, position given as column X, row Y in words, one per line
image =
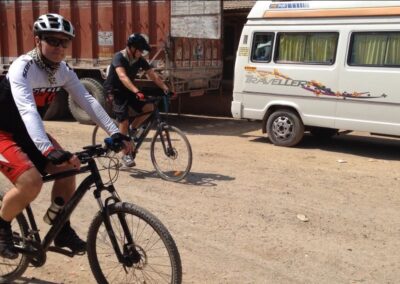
column 323, row 132
column 285, row 128
column 95, row 88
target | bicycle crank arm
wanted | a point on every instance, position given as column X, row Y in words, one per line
column 26, row 251
column 62, row 251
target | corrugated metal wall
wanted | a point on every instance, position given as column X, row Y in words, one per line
column 103, row 26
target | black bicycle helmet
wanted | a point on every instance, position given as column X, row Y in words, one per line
column 53, row 23
column 138, row 41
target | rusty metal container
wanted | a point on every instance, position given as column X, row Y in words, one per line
column 185, row 36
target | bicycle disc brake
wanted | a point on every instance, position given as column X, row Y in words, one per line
column 172, row 153
column 134, row 256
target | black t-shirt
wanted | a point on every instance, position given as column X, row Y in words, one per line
column 120, row 59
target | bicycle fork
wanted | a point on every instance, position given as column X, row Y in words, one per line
column 129, row 254
column 165, row 139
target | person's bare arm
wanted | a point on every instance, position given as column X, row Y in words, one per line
column 125, row 79
column 157, row 80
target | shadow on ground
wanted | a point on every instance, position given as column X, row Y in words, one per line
column 25, row 280
column 373, row 147
column 205, row 125
column 196, row 179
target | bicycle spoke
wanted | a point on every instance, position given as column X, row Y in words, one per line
column 164, row 276
column 171, row 154
column 154, row 265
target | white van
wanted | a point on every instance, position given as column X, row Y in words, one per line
column 319, row 66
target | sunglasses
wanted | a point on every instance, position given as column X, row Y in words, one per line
column 56, row 42
column 143, row 52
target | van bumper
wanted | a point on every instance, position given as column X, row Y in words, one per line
column 236, row 109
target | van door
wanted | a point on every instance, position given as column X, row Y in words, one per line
column 370, row 83
column 302, row 72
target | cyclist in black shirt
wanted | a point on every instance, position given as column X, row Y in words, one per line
column 119, row 84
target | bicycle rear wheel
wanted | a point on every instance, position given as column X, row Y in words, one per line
column 10, row 269
column 171, row 153
column 159, row 257
column 98, row 137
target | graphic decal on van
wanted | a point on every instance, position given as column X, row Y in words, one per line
column 276, row 78
column 319, row 89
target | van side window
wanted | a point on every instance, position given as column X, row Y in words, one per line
column 375, row 49
column 307, row 48
column 262, row 47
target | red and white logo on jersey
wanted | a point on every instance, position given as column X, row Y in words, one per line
column 44, row 96
column 3, row 159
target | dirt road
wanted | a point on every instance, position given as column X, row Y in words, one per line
column 237, row 217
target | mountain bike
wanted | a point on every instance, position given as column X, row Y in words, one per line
column 125, row 243
column 170, row 150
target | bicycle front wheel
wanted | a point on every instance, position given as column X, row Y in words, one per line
column 159, row 260
column 171, row 153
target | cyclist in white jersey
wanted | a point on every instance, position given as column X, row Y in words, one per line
column 26, row 151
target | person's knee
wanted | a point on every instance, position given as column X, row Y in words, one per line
column 29, row 184
column 123, row 126
column 124, row 122
column 148, row 108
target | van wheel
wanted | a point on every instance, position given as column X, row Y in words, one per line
column 285, row 128
column 323, row 133
column 95, row 88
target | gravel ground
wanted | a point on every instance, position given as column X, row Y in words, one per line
column 251, row 212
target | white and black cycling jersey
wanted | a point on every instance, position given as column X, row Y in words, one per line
column 27, row 88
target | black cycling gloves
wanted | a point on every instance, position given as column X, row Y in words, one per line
column 58, row 156
column 139, row 96
column 118, row 137
column 115, row 142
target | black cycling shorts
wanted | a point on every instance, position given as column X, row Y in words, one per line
column 121, row 106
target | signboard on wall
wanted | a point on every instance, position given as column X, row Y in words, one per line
column 196, row 19
column 105, row 38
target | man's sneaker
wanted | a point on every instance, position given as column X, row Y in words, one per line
column 67, row 237
column 128, row 161
column 7, row 248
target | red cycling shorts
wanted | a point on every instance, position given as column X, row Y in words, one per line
column 13, row 161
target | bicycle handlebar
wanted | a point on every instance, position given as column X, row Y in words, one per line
column 98, row 150
column 90, row 152
column 153, row 99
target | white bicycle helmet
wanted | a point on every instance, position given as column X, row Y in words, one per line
column 53, row 23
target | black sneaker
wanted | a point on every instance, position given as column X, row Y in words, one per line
column 7, row 249
column 67, row 237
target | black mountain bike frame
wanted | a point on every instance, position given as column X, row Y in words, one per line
column 36, row 248
column 153, row 119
